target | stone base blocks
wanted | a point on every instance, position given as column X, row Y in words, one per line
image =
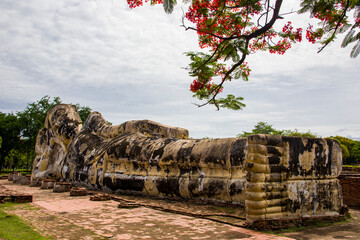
column 16, row 198
column 100, row 197
column 35, row 182
column 25, row 180
column 62, row 187
column 17, row 177
column 4, row 177
column 76, row 191
column 14, row 176
column 47, row 184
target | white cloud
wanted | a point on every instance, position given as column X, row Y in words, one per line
column 127, row 64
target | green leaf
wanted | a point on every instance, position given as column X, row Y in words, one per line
column 237, row 74
column 356, row 50
column 344, row 28
column 230, row 52
column 169, row 6
column 230, row 102
column 347, row 39
column 306, row 5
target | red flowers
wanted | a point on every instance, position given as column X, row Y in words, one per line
column 135, row 3
column 281, row 47
column 138, row 3
column 311, row 35
column 196, row 85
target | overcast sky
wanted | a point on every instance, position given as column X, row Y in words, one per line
column 128, row 64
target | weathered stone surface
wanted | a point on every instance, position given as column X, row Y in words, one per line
column 62, row 187
column 100, row 197
column 47, row 184
column 291, row 177
column 76, row 191
column 10, row 177
column 274, row 177
column 135, row 163
column 35, row 182
column 61, row 124
column 148, row 128
column 16, row 198
column 25, row 180
column 22, row 198
column 15, row 177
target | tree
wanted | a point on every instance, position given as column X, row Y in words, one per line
column 18, row 132
column 12, row 159
column 32, row 120
column 84, row 112
column 265, row 128
column 350, row 149
column 233, row 29
column 10, row 129
column 261, row 128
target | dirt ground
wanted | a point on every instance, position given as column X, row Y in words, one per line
column 345, row 230
column 60, row 216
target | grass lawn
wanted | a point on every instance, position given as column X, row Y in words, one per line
column 12, row 227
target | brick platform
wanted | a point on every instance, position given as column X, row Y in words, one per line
column 351, row 189
column 16, row 198
column 76, row 191
column 25, row 180
column 62, row 187
column 351, row 169
column 35, row 182
column 47, row 184
column 100, row 197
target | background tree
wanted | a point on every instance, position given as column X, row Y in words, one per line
column 350, row 150
column 84, row 112
column 19, row 131
column 16, row 159
column 230, row 30
column 33, row 117
column 265, row 128
column 10, row 128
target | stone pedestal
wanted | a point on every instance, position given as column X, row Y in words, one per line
column 47, row 184
column 22, row 198
column 16, row 198
column 35, row 182
column 25, row 180
column 10, row 177
column 100, row 197
column 62, row 187
column 15, row 176
column 78, row 191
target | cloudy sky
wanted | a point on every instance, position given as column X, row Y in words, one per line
column 128, row 64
